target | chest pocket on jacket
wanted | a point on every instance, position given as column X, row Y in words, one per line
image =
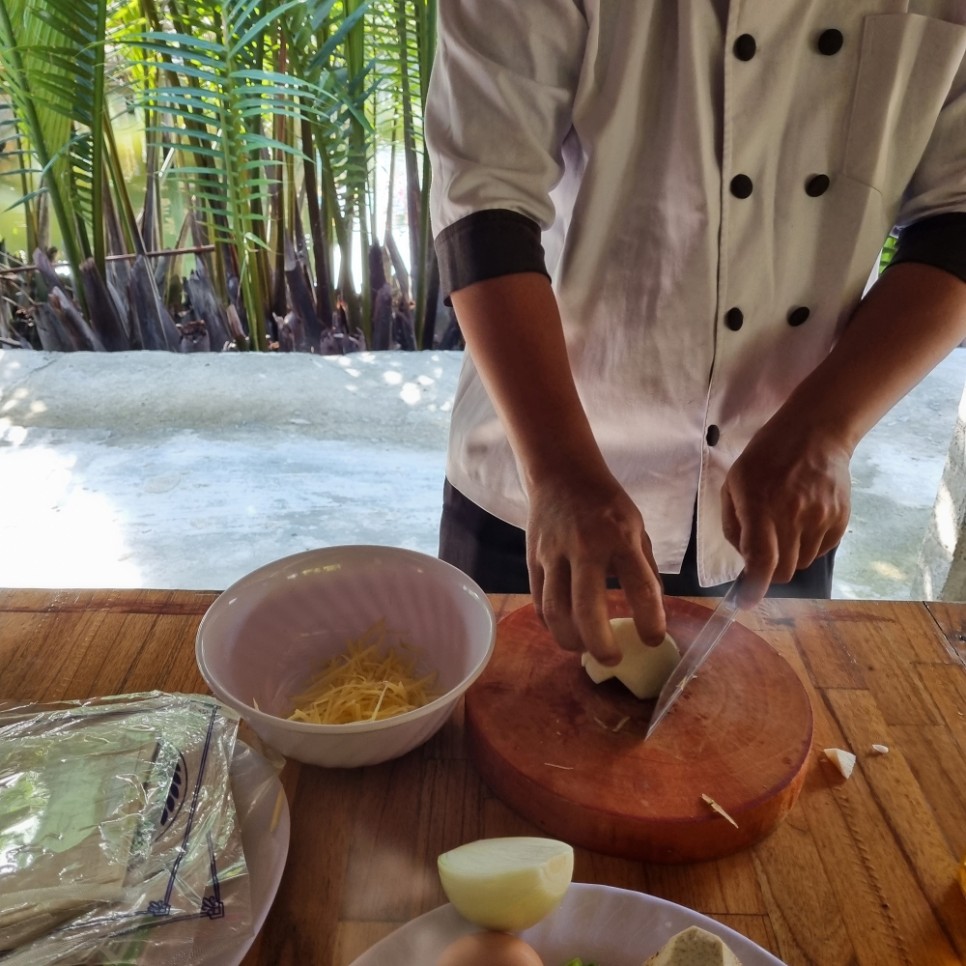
column 907, row 68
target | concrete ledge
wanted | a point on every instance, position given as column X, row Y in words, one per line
column 377, row 396
column 157, row 470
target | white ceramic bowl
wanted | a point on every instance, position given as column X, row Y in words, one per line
column 273, row 630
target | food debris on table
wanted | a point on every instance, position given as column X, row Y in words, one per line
column 715, row 807
column 613, row 729
column 881, row 749
column 843, row 760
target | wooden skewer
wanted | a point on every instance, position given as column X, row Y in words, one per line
column 20, row 269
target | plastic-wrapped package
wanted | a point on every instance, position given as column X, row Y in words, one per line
column 119, row 837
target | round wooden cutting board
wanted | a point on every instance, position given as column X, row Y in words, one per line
column 569, row 755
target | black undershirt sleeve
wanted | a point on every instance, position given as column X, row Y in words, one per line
column 939, row 240
column 487, row 244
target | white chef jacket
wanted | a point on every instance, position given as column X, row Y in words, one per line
column 711, row 194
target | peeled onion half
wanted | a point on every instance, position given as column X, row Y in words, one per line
column 509, row 883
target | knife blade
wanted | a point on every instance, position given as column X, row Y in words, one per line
column 708, row 637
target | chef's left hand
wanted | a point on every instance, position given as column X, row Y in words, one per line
column 785, row 502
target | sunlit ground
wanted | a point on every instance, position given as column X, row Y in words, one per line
column 170, row 474
column 53, row 532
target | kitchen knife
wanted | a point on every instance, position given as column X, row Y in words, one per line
column 709, row 635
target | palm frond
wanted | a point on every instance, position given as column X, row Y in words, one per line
column 217, row 108
column 52, row 56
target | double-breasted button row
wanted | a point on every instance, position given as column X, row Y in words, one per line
column 742, row 186
column 829, row 43
column 734, row 318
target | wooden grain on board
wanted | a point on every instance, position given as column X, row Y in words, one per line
column 571, row 757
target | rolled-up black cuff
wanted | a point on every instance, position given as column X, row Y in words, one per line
column 939, row 240
column 487, row 244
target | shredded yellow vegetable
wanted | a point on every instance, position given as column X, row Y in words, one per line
column 373, row 679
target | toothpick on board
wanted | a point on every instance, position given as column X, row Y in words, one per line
column 715, row 807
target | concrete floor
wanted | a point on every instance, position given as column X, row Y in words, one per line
column 159, row 470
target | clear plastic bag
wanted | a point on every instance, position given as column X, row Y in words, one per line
column 119, row 837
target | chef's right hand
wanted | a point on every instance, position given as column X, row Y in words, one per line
column 582, row 529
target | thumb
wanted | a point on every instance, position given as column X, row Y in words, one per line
column 730, row 524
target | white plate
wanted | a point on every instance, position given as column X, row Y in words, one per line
column 603, row 925
column 264, row 821
column 260, row 801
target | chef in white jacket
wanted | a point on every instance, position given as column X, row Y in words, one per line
column 657, row 221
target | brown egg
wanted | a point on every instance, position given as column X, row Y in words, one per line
column 489, row 949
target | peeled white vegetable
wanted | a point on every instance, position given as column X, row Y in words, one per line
column 843, row 760
column 507, row 884
column 693, row 947
column 642, row 670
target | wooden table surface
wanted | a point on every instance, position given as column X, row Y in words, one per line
column 862, row 871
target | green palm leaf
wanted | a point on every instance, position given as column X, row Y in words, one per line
column 218, row 108
column 29, row 47
column 52, row 58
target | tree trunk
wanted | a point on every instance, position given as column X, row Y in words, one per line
column 205, row 305
column 104, row 311
column 432, row 299
column 148, row 314
column 301, row 301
